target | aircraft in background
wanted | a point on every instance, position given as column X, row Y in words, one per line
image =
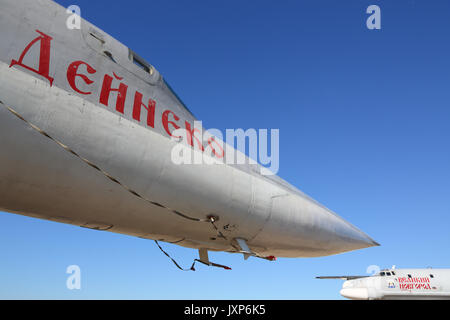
column 395, row 284
column 86, row 128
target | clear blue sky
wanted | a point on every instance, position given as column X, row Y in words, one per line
column 364, row 129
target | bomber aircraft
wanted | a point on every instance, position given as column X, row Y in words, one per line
column 87, row 131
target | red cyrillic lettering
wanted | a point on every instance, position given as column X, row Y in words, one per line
column 150, row 109
column 44, row 56
column 210, row 142
column 121, row 92
column 191, row 133
column 72, row 74
column 166, row 122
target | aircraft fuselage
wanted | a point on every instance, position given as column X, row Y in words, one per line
column 85, row 134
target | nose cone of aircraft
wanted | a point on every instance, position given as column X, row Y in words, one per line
column 332, row 232
column 304, row 227
column 338, row 234
column 349, row 235
column 355, row 293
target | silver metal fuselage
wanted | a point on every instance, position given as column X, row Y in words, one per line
column 39, row 178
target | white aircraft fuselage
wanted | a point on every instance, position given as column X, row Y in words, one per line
column 396, row 284
column 85, row 139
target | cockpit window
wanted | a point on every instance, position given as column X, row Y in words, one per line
column 141, row 65
column 140, row 62
column 393, row 273
column 382, row 274
column 388, row 273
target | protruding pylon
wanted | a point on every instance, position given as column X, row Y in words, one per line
column 203, row 255
column 244, row 248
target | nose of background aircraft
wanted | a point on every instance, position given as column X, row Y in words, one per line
column 355, row 293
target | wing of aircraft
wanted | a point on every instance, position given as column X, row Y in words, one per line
column 342, row 277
